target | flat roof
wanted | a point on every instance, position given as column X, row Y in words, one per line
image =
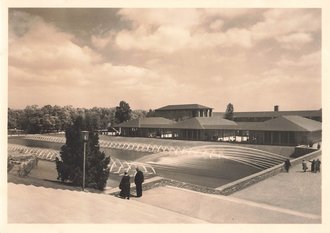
column 310, row 113
column 182, row 107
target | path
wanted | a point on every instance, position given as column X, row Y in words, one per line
column 294, row 190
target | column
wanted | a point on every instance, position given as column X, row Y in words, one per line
column 263, row 138
column 279, row 138
column 271, row 138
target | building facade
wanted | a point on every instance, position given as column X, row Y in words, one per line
column 183, row 111
column 290, row 130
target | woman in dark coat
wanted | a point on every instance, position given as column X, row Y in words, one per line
column 125, row 186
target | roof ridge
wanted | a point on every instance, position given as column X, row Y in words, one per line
column 199, row 122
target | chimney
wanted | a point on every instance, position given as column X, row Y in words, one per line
column 276, row 108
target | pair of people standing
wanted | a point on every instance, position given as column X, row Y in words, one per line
column 125, row 184
column 315, row 165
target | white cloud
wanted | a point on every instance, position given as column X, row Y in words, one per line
column 43, row 46
column 238, row 36
column 226, row 13
column 164, row 39
column 43, row 55
column 305, row 61
column 101, row 41
column 183, row 18
column 159, row 57
column 295, row 40
column 216, row 25
column 169, row 30
column 280, row 22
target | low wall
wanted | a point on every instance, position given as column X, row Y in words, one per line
column 240, row 184
column 300, row 151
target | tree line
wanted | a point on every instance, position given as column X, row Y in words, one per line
column 35, row 119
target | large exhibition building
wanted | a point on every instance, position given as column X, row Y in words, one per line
column 197, row 122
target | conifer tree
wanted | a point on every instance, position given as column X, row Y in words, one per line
column 229, row 114
column 70, row 167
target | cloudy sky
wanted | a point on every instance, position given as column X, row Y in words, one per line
column 253, row 58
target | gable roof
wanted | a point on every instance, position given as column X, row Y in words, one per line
column 290, row 123
column 147, row 122
column 205, row 123
column 182, row 107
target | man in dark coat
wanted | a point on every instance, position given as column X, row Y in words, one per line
column 313, row 166
column 138, row 180
column 125, row 186
column 318, row 165
column 287, row 165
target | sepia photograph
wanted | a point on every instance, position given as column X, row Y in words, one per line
column 164, row 115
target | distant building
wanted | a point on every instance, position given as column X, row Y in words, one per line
column 267, row 115
column 284, row 130
column 147, row 127
column 195, row 122
column 183, row 111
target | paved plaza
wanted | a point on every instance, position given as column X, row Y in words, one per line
column 293, row 197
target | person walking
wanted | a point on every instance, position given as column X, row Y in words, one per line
column 304, row 166
column 138, row 180
column 125, row 186
column 287, row 165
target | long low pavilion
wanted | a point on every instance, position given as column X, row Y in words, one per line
column 283, row 130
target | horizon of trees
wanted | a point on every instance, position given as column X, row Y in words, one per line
column 35, row 119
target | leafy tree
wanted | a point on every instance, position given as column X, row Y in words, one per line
column 93, row 120
column 31, row 121
column 48, row 122
column 138, row 114
column 229, row 114
column 123, row 112
column 14, row 118
column 151, row 113
column 70, row 167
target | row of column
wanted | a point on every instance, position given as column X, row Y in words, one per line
column 204, row 113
